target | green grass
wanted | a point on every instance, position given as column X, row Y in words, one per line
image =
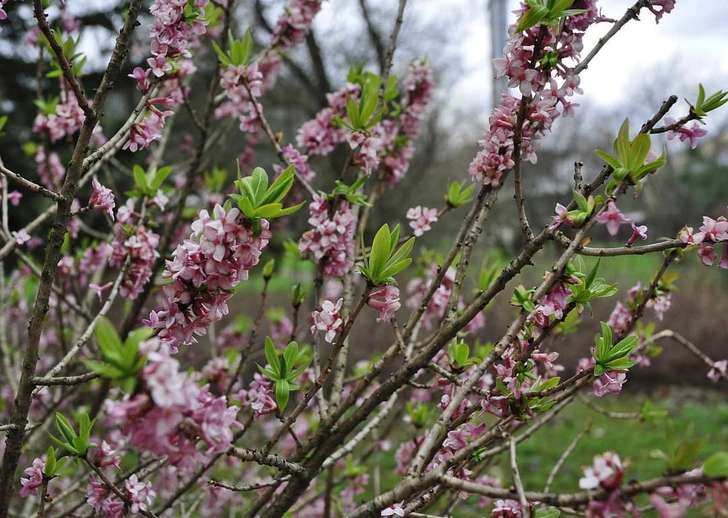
column 633, row 440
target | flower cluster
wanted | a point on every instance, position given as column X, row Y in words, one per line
column 418, row 88
column 170, row 412
column 328, row 319
column 385, row 299
column 239, row 103
column 102, row 198
column 34, row 480
column 421, row 218
column 295, row 23
column 133, row 241
column 438, row 303
column 204, row 269
column 332, row 238
column 67, row 119
column 321, row 135
column 176, row 26
column 524, row 67
column 607, row 472
column 712, row 232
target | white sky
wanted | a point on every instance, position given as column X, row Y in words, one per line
column 688, row 46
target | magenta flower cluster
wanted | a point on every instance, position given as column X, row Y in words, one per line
column 135, row 243
column 169, row 413
column 295, row 22
column 712, row 232
column 328, row 320
column 204, row 270
column 332, row 236
column 541, row 92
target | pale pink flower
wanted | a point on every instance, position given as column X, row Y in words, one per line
column 393, row 510
column 607, row 471
column 140, row 494
column 683, row 133
column 34, row 480
column 719, row 370
column 640, row 231
column 385, row 299
column 609, row 383
column 421, row 218
column 613, row 218
column 102, row 198
column 328, row 319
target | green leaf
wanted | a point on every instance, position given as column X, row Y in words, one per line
column 532, row 17
column 352, row 110
column 290, row 355
column 140, row 178
column 380, row 250
column 716, row 465
column 592, row 274
column 271, row 354
column 159, row 176
column 64, row 426
column 638, row 152
column 622, row 143
column 282, row 393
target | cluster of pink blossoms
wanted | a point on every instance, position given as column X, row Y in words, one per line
column 170, row 413
column 539, row 89
column 295, row 23
column 385, row 299
column 34, row 480
column 239, row 103
column 204, row 269
column 134, row 241
column 321, row 135
column 438, row 303
column 712, row 232
column 140, row 496
column 67, row 119
column 421, row 218
column 332, row 236
column 328, row 320
column 418, row 86
column 173, row 33
column 102, row 198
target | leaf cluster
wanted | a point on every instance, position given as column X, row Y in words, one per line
column 590, row 286
column 69, row 46
column 610, row 357
column 546, row 12
column 283, row 368
column 459, row 195
column 76, row 444
column 147, row 183
column 703, row 106
column 459, row 356
column 629, row 158
column 239, row 51
column 122, row 361
column 385, row 260
column 257, row 200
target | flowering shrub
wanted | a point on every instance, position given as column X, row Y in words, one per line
column 135, row 413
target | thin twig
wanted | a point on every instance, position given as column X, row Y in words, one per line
column 564, row 456
column 525, row 512
column 31, row 186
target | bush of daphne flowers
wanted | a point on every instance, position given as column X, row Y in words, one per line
column 106, row 415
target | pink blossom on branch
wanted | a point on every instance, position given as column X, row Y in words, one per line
column 102, row 198
column 385, row 299
column 204, row 270
column 692, row 134
column 613, row 218
column 421, row 218
column 328, row 319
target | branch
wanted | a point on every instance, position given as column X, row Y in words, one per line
column 66, row 380
column 251, row 487
column 577, row 499
column 668, row 333
column 631, row 14
column 266, row 460
column 564, row 456
column 661, row 246
column 66, row 67
column 31, row 186
column 517, row 480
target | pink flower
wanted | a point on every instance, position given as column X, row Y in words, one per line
column 609, row 383
column 140, row 494
column 707, row 254
column 607, row 471
column 683, row 133
column 102, row 198
column 719, row 370
column 640, row 231
column 665, row 7
column 34, row 480
column 385, row 299
column 14, row 198
column 328, row 319
column 613, row 218
column 723, row 264
column 393, row 510
column 421, row 218
column 21, row 236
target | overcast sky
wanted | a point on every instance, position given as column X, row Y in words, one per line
column 688, row 46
